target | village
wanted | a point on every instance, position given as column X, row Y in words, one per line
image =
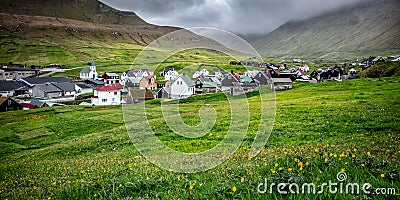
column 23, row 88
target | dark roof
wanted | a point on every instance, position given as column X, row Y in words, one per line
column 95, row 82
column 168, row 69
column 66, row 87
column 11, row 85
column 41, row 80
column 83, row 85
column 48, row 87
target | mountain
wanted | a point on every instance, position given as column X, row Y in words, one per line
column 71, row 32
column 363, row 29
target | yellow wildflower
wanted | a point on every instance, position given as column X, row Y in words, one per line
column 242, row 179
column 191, row 187
column 276, row 164
column 234, row 188
column 383, row 175
column 368, row 153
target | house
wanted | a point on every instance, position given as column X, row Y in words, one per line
column 12, row 88
column 133, row 82
column 148, row 82
column 229, row 80
column 139, row 95
column 280, row 84
column 171, row 75
column 89, row 72
column 164, row 93
column 17, row 73
column 83, row 88
column 166, row 69
column 182, row 87
column 110, row 78
column 46, row 90
column 352, row 74
column 107, row 95
column 378, row 60
column 68, row 89
column 205, row 85
column 202, row 73
column 242, row 88
column 261, row 78
column 9, row 104
column 94, row 83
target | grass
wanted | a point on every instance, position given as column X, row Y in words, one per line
column 77, row 152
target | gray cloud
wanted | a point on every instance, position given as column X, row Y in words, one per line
column 238, row 16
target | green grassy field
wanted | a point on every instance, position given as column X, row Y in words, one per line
column 77, row 152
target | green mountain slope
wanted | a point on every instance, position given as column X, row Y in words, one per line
column 71, row 32
column 363, row 29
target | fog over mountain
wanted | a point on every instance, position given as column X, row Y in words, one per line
column 238, row 16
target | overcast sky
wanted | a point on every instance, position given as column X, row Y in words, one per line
column 238, row 16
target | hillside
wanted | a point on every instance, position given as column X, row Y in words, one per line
column 77, row 152
column 71, row 32
column 366, row 28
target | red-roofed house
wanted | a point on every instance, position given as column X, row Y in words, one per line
column 107, row 95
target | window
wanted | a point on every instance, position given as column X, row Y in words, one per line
column 115, row 93
column 104, row 100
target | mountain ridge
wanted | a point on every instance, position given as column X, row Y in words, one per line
column 362, row 29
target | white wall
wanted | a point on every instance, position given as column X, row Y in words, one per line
column 106, row 98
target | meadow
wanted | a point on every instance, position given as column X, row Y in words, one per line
column 76, row 152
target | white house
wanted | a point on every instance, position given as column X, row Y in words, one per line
column 89, row 72
column 182, row 87
column 171, row 75
column 107, row 95
column 111, row 78
column 203, row 72
column 83, row 88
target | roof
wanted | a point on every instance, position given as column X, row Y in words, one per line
column 28, row 105
column 108, row 88
column 85, row 70
column 246, row 79
column 209, row 85
column 38, row 103
column 41, row 80
column 83, row 85
column 168, row 69
column 141, row 94
column 48, row 87
column 66, row 87
column 235, row 76
column 11, row 85
column 96, row 82
column 3, row 99
column 187, row 80
column 112, row 74
column 166, row 89
column 282, row 80
column 92, row 64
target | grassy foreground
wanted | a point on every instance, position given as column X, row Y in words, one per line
column 85, row 153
